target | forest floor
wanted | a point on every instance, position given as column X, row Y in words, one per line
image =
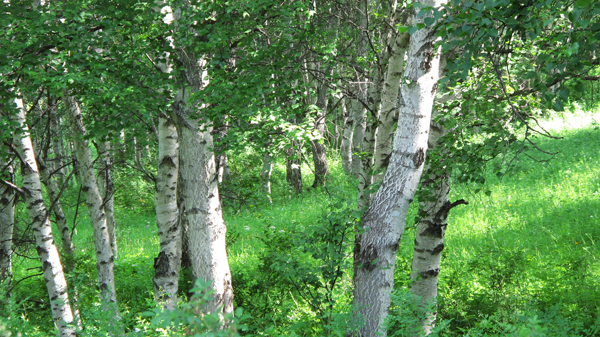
column 524, row 258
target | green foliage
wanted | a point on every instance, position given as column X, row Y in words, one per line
column 191, row 318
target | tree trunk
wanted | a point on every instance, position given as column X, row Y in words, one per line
column 57, row 144
column 104, row 256
column 7, row 221
column 61, row 220
column 389, row 105
column 106, row 188
column 318, row 147
column 384, row 221
column 360, row 121
column 42, row 229
column 200, row 191
column 293, row 167
column 346, row 147
column 221, row 159
column 265, row 174
column 168, row 263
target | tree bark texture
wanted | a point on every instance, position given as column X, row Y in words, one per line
column 106, row 188
column 57, row 144
column 318, row 147
column 200, row 191
column 347, row 136
column 89, row 186
column 42, row 229
column 7, row 221
column 168, row 263
column 61, row 221
column 385, row 219
column 389, row 105
column 293, row 164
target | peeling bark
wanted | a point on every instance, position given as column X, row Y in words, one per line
column 384, row 221
column 42, row 229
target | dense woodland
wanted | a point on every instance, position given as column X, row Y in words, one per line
column 299, row 168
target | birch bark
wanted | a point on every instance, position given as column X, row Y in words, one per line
column 347, row 136
column 61, row 220
column 318, row 148
column 106, row 189
column 168, row 263
column 200, row 191
column 7, row 221
column 265, row 174
column 389, row 105
column 42, row 229
column 385, row 219
column 104, row 255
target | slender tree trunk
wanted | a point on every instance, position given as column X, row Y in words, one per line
column 7, row 221
column 318, row 147
column 265, row 174
column 293, row 167
column 106, row 188
column 168, row 263
column 61, row 221
column 389, row 105
column 42, row 229
column 57, row 143
column 348, row 132
column 385, row 219
column 221, row 159
column 360, row 122
column 104, row 256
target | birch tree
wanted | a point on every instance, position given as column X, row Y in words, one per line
column 104, row 256
column 168, row 263
column 42, row 229
column 384, row 220
column 7, row 219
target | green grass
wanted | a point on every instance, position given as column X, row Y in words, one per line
column 531, row 248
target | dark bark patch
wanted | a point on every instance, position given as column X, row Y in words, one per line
column 41, row 251
column 433, row 230
column 167, row 161
column 430, row 273
column 162, row 265
column 367, row 256
column 85, row 188
column 419, row 157
column 438, row 249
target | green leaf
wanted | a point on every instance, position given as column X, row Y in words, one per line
column 429, row 21
column 582, row 3
column 412, row 29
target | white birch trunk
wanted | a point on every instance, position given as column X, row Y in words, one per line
column 200, row 191
column 61, row 220
column 389, row 105
column 168, row 263
column 265, row 174
column 106, row 188
column 7, row 221
column 384, row 221
column 358, row 136
column 42, row 229
column 347, row 135
column 318, row 147
column 104, row 256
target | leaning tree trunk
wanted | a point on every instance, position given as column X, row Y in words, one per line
column 104, row 256
column 106, row 188
column 42, row 229
column 57, row 143
column 168, row 263
column 7, row 220
column 385, row 219
column 61, row 220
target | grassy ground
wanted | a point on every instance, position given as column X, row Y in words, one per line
column 530, row 249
